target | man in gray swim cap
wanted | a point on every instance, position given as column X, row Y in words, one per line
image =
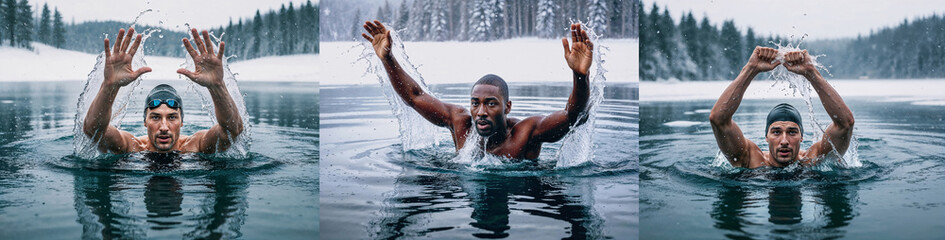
column 783, row 128
column 163, row 114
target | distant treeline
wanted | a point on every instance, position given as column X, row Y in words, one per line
column 290, row 30
column 692, row 50
column 481, row 20
column 18, row 28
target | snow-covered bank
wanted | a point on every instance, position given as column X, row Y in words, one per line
column 515, row 60
column 47, row 63
column 926, row 92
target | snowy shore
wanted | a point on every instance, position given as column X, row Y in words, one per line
column 46, row 63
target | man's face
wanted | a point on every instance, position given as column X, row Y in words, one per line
column 488, row 109
column 163, row 125
column 783, row 139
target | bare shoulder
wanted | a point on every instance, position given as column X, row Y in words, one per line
column 191, row 143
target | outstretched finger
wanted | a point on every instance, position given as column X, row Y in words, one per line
column 207, row 43
column 367, row 28
column 590, row 45
column 370, row 27
column 117, row 46
column 187, row 73
column 190, row 48
column 140, row 71
column 134, row 46
column 567, row 50
column 127, row 40
column 380, row 26
column 108, row 52
column 573, row 34
column 198, row 42
column 222, row 51
column 366, row 37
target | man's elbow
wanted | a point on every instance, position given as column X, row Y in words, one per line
column 846, row 123
column 89, row 130
column 716, row 119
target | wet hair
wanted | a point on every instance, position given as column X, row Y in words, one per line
column 492, row 79
column 784, row 112
column 163, row 92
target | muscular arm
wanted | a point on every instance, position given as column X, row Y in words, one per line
column 840, row 130
column 208, row 73
column 579, row 57
column 118, row 73
column 728, row 135
column 434, row 110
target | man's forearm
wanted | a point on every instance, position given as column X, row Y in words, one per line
column 403, row 84
column 228, row 115
column 731, row 98
column 100, row 111
column 580, row 95
column 839, row 113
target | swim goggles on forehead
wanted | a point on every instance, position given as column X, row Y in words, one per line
column 170, row 103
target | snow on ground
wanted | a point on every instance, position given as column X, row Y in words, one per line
column 46, row 63
column 923, row 91
column 515, row 60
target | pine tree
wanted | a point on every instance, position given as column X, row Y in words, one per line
column 732, row 48
column 545, row 19
column 59, row 31
column 438, row 29
column 9, row 20
column 597, row 11
column 357, row 28
column 291, row 29
column 44, row 35
column 24, row 20
column 257, row 35
column 404, row 15
column 481, row 21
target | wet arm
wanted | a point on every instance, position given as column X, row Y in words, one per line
column 728, row 135
column 229, row 123
column 840, row 130
column 553, row 127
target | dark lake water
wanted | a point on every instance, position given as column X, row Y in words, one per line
column 896, row 192
column 47, row 193
column 371, row 188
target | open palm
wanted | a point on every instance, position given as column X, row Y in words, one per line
column 581, row 52
column 118, row 60
column 380, row 38
column 208, row 67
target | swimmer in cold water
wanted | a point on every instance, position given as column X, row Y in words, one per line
column 784, row 129
column 163, row 115
column 489, row 101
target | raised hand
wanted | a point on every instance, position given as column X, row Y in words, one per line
column 208, row 67
column 799, row 62
column 118, row 60
column 380, row 38
column 763, row 59
column 581, row 53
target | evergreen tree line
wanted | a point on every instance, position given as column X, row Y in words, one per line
column 692, row 50
column 483, row 20
column 18, row 27
column 289, row 30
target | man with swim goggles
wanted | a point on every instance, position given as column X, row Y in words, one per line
column 783, row 128
column 163, row 114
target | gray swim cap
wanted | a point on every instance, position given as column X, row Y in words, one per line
column 160, row 94
column 784, row 112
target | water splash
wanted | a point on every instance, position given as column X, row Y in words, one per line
column 577, row 147
column 415, row 131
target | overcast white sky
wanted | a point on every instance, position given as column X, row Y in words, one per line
column 820, row 19
column 174, row 13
